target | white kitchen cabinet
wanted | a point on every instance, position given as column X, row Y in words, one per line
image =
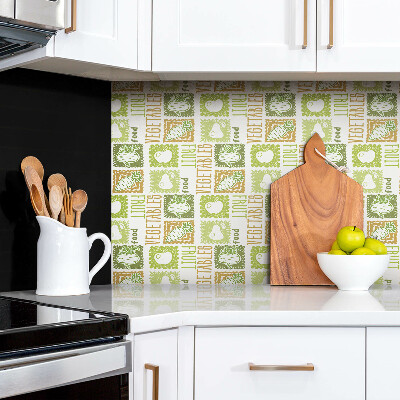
column 233, row 35
column 160, row 350
column 366, row 36
column 222, row 357
column 383, row 353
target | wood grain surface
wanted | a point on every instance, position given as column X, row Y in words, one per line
column 308, row 207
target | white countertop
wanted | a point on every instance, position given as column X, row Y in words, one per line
column 155, row 307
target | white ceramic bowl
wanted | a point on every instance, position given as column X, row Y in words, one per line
column 349, row 272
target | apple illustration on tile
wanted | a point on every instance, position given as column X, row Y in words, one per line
column 214, row 106
column 366, row 156
column 265, row 156
column 262, row 258
column 163, row 258
column 163, row 156
column 115, row 207
column 214, row 207
column 315, row 105
column 115, row 105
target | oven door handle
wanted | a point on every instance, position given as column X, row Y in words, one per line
column 30, row 374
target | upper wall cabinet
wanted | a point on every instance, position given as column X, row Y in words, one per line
column 358, row 36
column 234, row 35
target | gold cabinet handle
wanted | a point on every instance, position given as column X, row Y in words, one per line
column 305, row 25
column 305, row 367
column 330, row 45
column 72, row 28
column 155, row 369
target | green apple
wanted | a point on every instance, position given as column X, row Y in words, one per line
column 375, row 245
column 335, row 246
column 363, row 251
column 337, row 252
column 350, row 238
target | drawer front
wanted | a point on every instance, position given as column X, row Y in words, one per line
column 222, row 357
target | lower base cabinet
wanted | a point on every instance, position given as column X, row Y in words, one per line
column 223, row 355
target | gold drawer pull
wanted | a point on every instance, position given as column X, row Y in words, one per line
column 72, row 28
column 305, row 25
column 305, row 367
column 155, row 370
column 330, row 45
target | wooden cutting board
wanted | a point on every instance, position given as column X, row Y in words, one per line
column 308, row 207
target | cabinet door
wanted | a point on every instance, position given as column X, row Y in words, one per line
column 383, row 354
column 106, row 33
column 222, row 357
column 233, row 35
column 365, row 36
column 159, row 349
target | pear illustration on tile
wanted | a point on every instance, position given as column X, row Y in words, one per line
column 266, row 182
column 316, row 105
column 165, row 182
column 262, row 258
column 381, row 131
column 115, row 233
column 318, row 129
column 163, row 258
column 383, row 231
column 214, row 105
column 366, row 156
column 115, row 105
column 115, row 131
column 214, row 207
column 163, row 156
column 165, row 280
column 368, row 182
column 115, row 207
column 216, row 131
column 280, row 130
column 265, row 156
column 179, row 130
column 216, row 233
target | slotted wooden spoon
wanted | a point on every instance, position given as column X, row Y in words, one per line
column 79, row 202
column 32, row 178
column 36, row 200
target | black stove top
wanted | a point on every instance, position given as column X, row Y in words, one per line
column 27, row 325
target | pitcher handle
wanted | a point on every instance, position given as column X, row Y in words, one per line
column 104, row 258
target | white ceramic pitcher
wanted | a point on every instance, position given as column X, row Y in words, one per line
column 63, row 258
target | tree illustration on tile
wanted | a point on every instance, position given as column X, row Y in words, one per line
column 367, row 155
column 280, row 130
column 178, row 232
column 164, row 155
column 119, row 130
column 280, row 105
column 385, row 231
column 119, row 206
column 119, row 105
column 229, row 181
column 215, row 130
column 381, row 105
column 371, row 180
column 164, row 277
column 119, row 231
column 128, row 181
column 214, row 206
column 318, row 125
column 178, row 130
column 229, row 155
column 179, row 206
column 381, row 130
column 179, row 104
column 215, row 232
column 128, row 257
column 265, row 155
column 382, row 206
column 261, row 179
column 164, row 181
column 214, row 105
column 229, row 257
column 128, row 155
column 163, row 257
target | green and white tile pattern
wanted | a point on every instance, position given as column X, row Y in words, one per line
column 193, row 163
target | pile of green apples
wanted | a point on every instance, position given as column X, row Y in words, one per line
column 351, row 240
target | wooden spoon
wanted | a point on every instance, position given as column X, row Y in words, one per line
column 79, row 202
column 36, row 200
column 56, row 201
column 32, row 178
column 56, row 180
column 33, row 162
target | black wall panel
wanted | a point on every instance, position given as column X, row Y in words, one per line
column 65, row 122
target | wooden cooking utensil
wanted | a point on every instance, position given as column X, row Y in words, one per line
column 33, row 162
column 79, row 202
column 32, row 178
column 309, row 205
column 36, row 200
column 56, row 201
column 69, row 213
column 58, row 180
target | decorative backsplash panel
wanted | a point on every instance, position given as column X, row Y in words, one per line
column 193, row 163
